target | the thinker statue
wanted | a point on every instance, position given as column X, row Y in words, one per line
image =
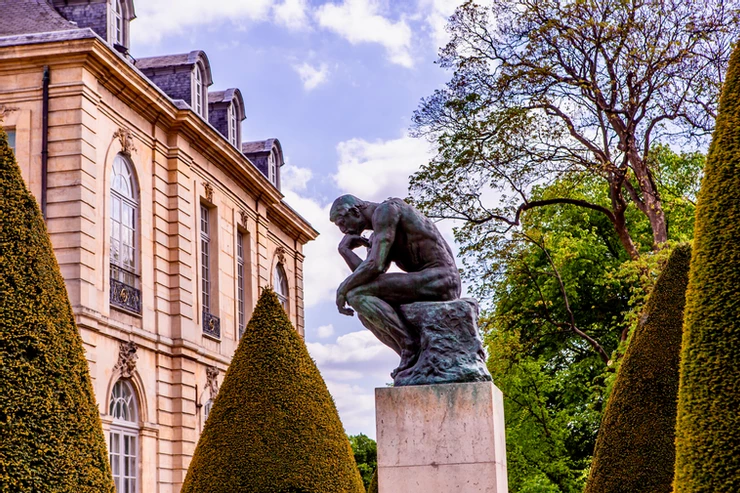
column 387, row 303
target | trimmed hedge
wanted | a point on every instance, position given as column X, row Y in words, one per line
column 273, row 427
column 51, row 438
column 635, row 450
column 708, row 423
column 373, row 486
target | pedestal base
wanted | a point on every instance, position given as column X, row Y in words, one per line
column 441, row 439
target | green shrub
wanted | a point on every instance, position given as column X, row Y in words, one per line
column 273, row 427
column 373, row 486
column 635, row 450
column 51, row 438
column 708, row 422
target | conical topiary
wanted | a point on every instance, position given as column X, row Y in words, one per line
column 273, row 427
column 51, row 439
column 708, row 422
column 373, row 486
column 635, row 450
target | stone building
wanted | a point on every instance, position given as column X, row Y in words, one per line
column 165, row 225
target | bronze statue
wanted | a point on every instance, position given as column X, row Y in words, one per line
column 402, row 235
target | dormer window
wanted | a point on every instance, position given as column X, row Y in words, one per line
column 232, row 125
column 197, row 102
column 272, row 166
column 116, row 23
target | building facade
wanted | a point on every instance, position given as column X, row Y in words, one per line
column 166, row 226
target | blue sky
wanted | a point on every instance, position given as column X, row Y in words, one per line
column 337, row 82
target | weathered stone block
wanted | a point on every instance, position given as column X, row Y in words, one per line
column 451, row 348
column 441, row 439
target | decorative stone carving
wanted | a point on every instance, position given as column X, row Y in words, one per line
column 4, row 110
column 126, row 138
column 280, row 254
column 126, row 359
column 245, row 217
column 209, row 191
column 212, row 373
column 451, row 349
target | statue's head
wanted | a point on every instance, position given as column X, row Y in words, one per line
column 346, row 213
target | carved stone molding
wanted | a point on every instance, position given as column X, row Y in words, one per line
column 126, row 138
column 4, row 110
column 280, row 253
column 126, row 359
column 212, row 381
column 209, row 191
column 245, row 217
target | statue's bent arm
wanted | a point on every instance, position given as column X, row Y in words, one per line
column 385, row 221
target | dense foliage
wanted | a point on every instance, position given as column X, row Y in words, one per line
column 373, row 487
column 565, row 298
column 273, row 427
column 51, row 438
column 635, row 449
column 708, row 423
column 365, row 450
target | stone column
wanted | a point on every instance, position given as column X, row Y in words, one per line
column 441, row 439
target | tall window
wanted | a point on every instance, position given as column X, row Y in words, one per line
column 124, row 437
column 233, row 136
column 124, row 206
column 197, row 90
column 272, row 166
column 240, row 284
column 116, row 22
column 205, row 257
column 11, row 139
column 280, row 286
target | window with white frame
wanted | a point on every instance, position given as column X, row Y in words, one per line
column 240, row 284
column 272, row 167
column 124, row 211
column 232, row 117
column 123, row 445
column 205, row 257
column 280, row 285
column 116, row 21
column 197, row 100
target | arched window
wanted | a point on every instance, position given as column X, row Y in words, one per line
column 117, row 22
column 124, row 213
column 280, row 285
column 197, row 90
column 232, row 125
column 124, row 437
column 272, row 167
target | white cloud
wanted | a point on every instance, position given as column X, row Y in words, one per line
column 381, row 169
column 312, row 77
column 360, row 21
column 325, row 331
column 294, row 178
column 292, row 14
column 158, row 18
column 352, row 367
column 438, row 13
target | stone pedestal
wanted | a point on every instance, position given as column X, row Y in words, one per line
column 441, row 439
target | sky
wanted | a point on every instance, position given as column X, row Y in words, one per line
column 337, row 83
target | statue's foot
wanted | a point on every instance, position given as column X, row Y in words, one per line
column 408, row 359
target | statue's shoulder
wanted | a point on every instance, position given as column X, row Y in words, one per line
column 394, row 202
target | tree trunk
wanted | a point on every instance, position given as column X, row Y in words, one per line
column 620, row 223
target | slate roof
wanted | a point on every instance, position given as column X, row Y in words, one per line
column 167, row 60
column 258, row 146
column 30, row 16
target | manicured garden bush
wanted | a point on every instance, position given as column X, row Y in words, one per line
column 273, row 427
column 51, row 438
column 708, row 422
column 373, row 487
column 635, row 450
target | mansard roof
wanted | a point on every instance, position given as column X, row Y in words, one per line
column 174, row 61
column 227, row 96
column 259, row 146
column 30, row 16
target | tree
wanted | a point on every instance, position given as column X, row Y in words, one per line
column 51, row 437
column 545, row 90
column 708, row 422
column 365, row 451
column 635, row 448
column 273, row 427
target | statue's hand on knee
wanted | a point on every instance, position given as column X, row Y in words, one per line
column 342, row 304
